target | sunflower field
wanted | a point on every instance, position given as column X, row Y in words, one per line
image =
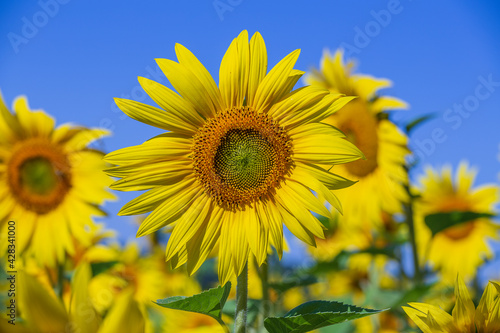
column 235, row 166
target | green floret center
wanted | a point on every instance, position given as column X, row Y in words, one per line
column 38, row 176
column 244, row 159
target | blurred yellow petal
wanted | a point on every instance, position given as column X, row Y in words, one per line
column 43, row 311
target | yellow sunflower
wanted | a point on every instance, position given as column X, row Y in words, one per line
column 465, row 317
column 467, row 242
column 381, row 176
column 50, row 183
column 43, row 312
column 237, row 160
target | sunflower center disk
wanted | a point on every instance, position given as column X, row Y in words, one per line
column 241, row 156
column 39, row 175
column 244, row 159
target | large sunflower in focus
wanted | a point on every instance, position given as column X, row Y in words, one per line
column 381, row 176
column 50, row 183
column 466, row 242
column 237, row 160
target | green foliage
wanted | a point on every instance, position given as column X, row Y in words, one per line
column 441, row 221
column 314, row 315
column 300, row 281
column 209, row 302
column 418, row 121
column 100, row 267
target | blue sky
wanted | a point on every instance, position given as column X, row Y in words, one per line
column 71, row 57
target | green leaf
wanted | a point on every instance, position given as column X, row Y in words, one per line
column 314, row 315
column 418, row 121
column 441, row 221
column 100, row 267
column 299, row 281
column 209, row 302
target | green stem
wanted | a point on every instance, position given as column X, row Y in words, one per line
column 240, row 318
column 411, row 231
column 264, row 272
column 60, row 280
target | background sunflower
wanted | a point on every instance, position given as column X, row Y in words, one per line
column 51, row 183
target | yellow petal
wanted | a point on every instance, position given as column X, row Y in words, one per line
column 188, row 224
column 36, row 123
column 234, row 71
column 9, row 126
column 239, row 241
column 463, row 312
column 225, row 249
column 83, row 138
column 275, row 82
column 124, row 316
column 41, row 309
column 152, row 199
column 384, row 103
column 325, row 150
column 155, row 117
column 170, row 210
column 258, row 65
column 367, row 86
column 188, row 60
column 203, row 242
column 171, row 102
column 297, row 101
column 167, row 147
column 83, row 315
column 294, row 225
column 188, row 86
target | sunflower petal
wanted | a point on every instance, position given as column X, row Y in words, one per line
column 155, row 117
column 189, row 60
column 258, row 65
column 188, row 86
column 275, row 82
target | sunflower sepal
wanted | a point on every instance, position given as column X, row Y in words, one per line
column 209, row 302
column 316, row 314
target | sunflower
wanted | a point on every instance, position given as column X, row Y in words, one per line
column 236, row 161
column 465, row 317
column 143, row 277
column 42, row 311
column 50, row 183
column 466, row 241
column 382, row 175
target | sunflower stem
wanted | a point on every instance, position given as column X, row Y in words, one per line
column 411, row 231
column 265, row 289
column 240, row 318
column 60, row 281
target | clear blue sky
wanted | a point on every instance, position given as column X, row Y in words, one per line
column 71, row 57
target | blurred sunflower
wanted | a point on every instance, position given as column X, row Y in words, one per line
column 237, row 161
column 42, row 311
column 144, row 275
column 339, row 237
column 50, row 183
column 464, row 317
column 382, row 175
column 467, row 241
